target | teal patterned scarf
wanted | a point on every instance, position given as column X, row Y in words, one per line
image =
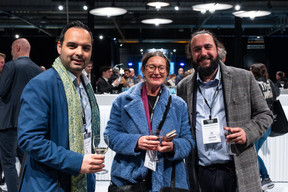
column 76, row 144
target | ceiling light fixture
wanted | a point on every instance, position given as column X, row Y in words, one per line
column 157, row 21
column 60, row 7
column 108, row 11
column 177, row 7
column 237, row 7
column 211, row 7
column 251, row 14
column 85, row 7
column 158, row 5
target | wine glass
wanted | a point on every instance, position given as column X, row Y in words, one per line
column 282, row 83
column 159, row 135
column 100, row 145
column 228, row 145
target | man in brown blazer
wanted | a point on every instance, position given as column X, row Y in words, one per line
column 218, row 96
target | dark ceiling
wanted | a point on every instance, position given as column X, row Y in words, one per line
column 42, row 18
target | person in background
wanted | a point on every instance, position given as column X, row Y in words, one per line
column 132, row 76
column 43, row 68
column 59, row 117
column 2, row 61
column 171, row 80
column 222, row 52
column 15, row 75
column 103, row 84
column 2, row 118
column 140, row 79
column 87, row 71
column 91, row 77
column 270, row 93
column 179, row 77
column 126, row 82
column 135, row 114
column 281, row 80
column 217, row 96
column 115, row 75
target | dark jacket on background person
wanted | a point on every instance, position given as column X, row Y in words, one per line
column 104, row 86
column 269, row 90
column 16, row 74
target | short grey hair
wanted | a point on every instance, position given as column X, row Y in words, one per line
column 222, row 53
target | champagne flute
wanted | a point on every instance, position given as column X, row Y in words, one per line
column 100, row 145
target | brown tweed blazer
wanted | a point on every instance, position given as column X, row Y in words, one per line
column 243, row 103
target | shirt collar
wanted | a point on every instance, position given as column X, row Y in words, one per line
column 74, row 79
column 211, row 83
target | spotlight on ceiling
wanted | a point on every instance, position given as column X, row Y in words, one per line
column 85, row 7
column 177, row 6
column 108, row 11
column 251, row 14
column 60, row 7
column 237, row 7
column 158, row 5
column 211, row 7
column 157, row 21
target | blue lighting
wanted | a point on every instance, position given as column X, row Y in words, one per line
column 139, row 69
column 172, row 67
column 130, row 64
column 182, row 64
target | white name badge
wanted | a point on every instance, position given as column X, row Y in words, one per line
column 87, row 143
column 211, row 131
column 149, row 160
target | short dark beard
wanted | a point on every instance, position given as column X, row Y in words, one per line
column 207, row 71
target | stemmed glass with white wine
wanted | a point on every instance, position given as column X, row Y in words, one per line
column 100, row 145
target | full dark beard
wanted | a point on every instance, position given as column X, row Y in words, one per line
column 207, row 71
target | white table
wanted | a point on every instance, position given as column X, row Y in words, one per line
column 274, row 151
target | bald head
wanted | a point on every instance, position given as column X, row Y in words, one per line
column 20, row 47
column 132, row 72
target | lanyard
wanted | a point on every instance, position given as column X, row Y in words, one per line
column 146, row 107
column 213, row 99
column 153, row 108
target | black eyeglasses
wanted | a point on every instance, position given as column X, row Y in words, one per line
column 151, row 68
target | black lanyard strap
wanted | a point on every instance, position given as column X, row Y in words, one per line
column 165, row 114
column 213, row 99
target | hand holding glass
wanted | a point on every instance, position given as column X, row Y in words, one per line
column 100, row 145
column 228, row 144
column 159, row 135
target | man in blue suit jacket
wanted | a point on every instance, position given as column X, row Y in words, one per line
column 58, row 117
column 16, row 74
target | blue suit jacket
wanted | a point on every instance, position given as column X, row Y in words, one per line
column 43, row 135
